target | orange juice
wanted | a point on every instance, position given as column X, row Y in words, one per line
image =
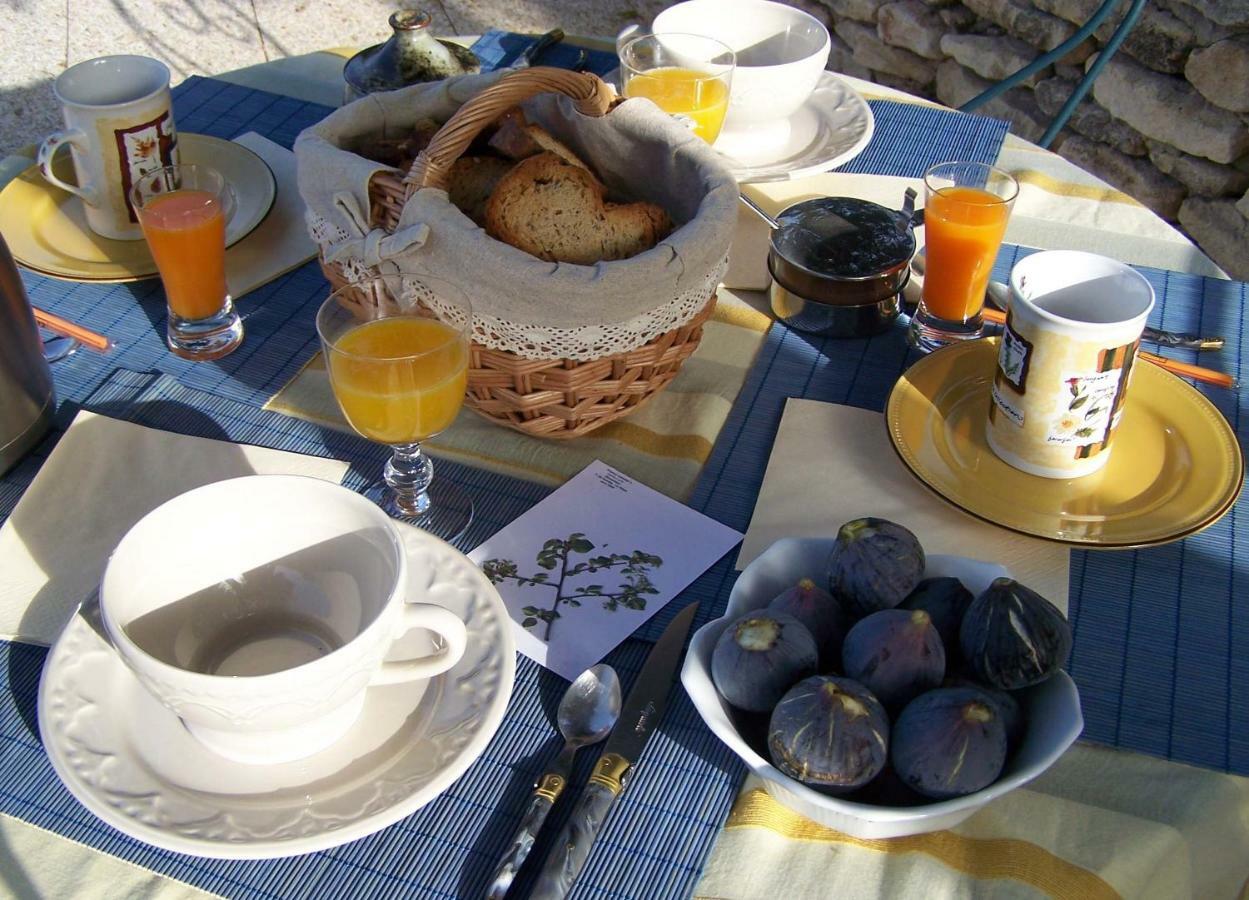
column 963, row 230
column 404, row 379
column 698, row 98
column 186, row 232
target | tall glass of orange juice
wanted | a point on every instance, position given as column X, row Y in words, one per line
column 686, row 75
column 966, row 208
column 396, row 348
column 183, row 211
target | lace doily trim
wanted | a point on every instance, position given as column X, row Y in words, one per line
column 538, row 342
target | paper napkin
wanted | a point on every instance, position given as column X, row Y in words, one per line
column 833, row 463
column 279, row 243
column 102, row 477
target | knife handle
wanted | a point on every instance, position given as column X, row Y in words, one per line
column 572, row 847
column 540, row 803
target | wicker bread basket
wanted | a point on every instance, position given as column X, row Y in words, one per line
column 557, row 397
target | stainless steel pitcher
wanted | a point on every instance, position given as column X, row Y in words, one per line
column 27, row 399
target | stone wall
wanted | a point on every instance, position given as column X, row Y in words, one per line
column 1167, row 121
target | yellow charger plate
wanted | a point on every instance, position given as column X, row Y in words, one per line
column 1175, row 466
column 46, row 228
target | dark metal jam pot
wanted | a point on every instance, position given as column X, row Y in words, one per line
column 839, row 265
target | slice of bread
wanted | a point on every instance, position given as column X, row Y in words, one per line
column 473, row 180
column 556, row 211
column 515, row 138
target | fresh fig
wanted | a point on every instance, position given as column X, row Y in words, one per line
column 949, row 742
column 823, row 614
column 874, row 564
column 946, row 600
column 829, row 733
column 1012, row 637
column 759, row 657
column 1007, row 706
column 896, row 654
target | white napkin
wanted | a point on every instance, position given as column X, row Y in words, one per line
column 833, row 463
column 102, row 477
column 279, row 243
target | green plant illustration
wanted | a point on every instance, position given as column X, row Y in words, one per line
column 556, row 560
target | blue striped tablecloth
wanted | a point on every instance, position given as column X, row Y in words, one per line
column 656, row 840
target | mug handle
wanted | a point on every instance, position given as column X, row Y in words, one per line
column 446, row 624
column 47, row 152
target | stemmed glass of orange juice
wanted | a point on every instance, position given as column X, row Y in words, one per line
column 686, row 75
column 966, row 209
column 183, row 211
column 397, row 347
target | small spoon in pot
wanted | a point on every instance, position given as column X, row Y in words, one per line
column 587, row 713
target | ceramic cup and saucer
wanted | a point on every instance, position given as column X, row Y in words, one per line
column 272, row 667
column 787, row 117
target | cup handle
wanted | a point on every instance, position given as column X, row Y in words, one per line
column 446, row 624
column 47, row 152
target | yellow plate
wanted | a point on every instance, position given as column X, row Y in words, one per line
column 1174, row 469
column 47, row 231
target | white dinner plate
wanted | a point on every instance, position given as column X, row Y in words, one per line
column 830, row 129
column 131, row 762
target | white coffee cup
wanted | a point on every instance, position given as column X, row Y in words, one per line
column 780, row 50
column 1065, row 361
column 260, row 609
column 119, row 126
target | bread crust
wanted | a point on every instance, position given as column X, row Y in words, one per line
column 557, row 211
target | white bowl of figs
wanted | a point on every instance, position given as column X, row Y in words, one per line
column 882, row 691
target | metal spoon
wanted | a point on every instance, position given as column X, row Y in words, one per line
column 587, row 713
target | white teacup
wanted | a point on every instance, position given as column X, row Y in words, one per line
column 780, row 50
column 1065, row 361
column 119, row 126
column 259, row 610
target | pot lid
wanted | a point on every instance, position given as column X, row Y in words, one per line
column 844, row 237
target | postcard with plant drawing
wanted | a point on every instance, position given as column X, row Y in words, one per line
column 586, row 567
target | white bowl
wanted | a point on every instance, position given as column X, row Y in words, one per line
column 1051, row 709
column 781, row 52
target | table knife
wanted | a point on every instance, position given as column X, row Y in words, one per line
column 530, row 54
column 642, row 712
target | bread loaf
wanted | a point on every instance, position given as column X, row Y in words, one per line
column 472, row 181
column 516, row 139
column 556, row 211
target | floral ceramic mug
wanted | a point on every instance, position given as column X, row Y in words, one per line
column 1065, row 361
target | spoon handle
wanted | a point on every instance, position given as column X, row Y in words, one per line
column 540, row 804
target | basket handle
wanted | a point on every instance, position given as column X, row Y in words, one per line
column 432, row 167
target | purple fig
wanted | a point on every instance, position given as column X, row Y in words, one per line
column 829, row 733
column 759, row 656
column 823, row 614
column 874, row 564
column 896, row 654
column 949, row 742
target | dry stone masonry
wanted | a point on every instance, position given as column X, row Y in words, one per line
column 1166, row 122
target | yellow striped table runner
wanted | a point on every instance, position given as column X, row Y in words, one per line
column 1100, row 823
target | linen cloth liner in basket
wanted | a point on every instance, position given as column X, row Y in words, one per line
column 522, row 305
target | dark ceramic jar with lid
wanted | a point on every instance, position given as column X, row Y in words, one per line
column 839, row 264
column 411, row 56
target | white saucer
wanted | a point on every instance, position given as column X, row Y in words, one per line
column 830, row 129
column 132, row 763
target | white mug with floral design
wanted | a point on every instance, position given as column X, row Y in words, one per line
column 119, row 126
column 1065, row 361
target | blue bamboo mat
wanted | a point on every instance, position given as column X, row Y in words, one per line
column 656, row 840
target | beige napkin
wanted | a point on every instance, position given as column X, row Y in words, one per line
column 103, row 476
column 279, row 243
column 833, row 463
